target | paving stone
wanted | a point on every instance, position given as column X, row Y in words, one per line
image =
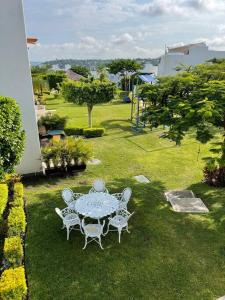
column 94, row 161
column 142, row 179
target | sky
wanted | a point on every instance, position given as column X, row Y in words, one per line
column 102, row 29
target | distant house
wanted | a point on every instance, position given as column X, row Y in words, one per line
column 190, row 55
column 74, row 76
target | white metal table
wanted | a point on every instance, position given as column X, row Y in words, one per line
column 95, row 205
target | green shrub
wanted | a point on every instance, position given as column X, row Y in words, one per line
column 12, row 136
column 18, row 195
column 52, row 122
column 18, row 189
column 16, row 221
column 17, row 201
column 13, row 284
column 13, row 251
column 74, row 131
column 68, row 152
column 54, row 79
column 93, row 132
column 3, row 200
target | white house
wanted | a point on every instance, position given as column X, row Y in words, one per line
column 190, row 55
column 15, row 78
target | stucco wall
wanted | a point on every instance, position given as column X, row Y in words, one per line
column 197, row 55
column 15, row 78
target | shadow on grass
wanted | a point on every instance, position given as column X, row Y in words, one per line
column 166, row 255
column 53, row 180
column 214, row 199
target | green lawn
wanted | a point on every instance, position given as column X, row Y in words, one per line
column 167, row 255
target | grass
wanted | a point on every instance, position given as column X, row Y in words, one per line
column 167, row 255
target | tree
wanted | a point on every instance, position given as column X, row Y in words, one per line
column 89, row 93
column 193, row 99
column 40, row 70
column 81, row 70
column 11, row 135
column 123, row 67
column 102, row 73
column 54, row 79
column 39, row 85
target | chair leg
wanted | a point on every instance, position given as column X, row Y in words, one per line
column 119, row 232
column 107, row 230
column 81, row 229
column 85, row 244
column 68, row 233
column 100, row 242
column 127, row 229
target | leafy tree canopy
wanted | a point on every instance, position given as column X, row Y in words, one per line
column 37, row 70
column 54, row 79
column 193, row 99
column 123, row 66
column 89, row 93
column 81, row 70
column 12, row 136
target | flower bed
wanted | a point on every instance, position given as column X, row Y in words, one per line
column 13, row 280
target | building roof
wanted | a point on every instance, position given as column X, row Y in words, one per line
column 149, row 78
column 184, row 49
column 73, row 76
column 56, row 132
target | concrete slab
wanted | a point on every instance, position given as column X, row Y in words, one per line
column 188, row 205
column 94, row 161
column 179, row 194
column 142, row 179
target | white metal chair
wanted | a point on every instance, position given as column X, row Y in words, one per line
column 98, row 187
column 93, row 231
column 119, row 221
column 68, row 196
column 123, row 198
column 69, row 218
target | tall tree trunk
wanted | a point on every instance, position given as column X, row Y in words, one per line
column 89, row 116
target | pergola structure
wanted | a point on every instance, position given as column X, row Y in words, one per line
column 140, row 79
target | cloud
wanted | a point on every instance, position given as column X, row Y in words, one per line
column 216, row 43
column 124, row 38
column 115, row 28
column 181, row 7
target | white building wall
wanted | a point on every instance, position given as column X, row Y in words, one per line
column 149, row 68
column 197, row 55
column 15, row 78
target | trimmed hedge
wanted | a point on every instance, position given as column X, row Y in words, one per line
column 18, row 195
column 3, row 200
column 13, row 284
column 74, row 131
column 93, row 132
column 16, row 221
column 13, row 251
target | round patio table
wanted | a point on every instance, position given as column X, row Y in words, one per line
column 95, row 205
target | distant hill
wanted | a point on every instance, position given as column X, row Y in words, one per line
column 92, row 64
column 35, row 63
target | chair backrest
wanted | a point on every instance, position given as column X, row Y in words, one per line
column 59, row 213
column 124, row 213
column 99, row 185
column 67, row 195
column 126, row 194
